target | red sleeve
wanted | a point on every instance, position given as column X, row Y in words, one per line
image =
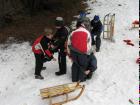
column 48, row 53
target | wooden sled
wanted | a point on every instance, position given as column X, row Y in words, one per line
column 109, row 24
column 135, row 24
column 49, row 93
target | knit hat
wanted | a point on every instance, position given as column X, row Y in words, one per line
column 96, row 18
column 59, row 21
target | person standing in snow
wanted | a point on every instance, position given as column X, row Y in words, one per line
column 80, row 49
column 97, row 27
column 42, row 51
column 60, row 39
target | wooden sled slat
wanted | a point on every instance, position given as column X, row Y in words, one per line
column 49, row 93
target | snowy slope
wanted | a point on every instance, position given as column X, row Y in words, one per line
column 114, row 83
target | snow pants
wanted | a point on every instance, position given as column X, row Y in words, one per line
column 62, row 61
column 96, row 42
column 79, row 66
column 40, row 59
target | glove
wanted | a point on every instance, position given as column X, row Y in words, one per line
column 47, row 58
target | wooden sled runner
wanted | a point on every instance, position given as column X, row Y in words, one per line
column 49, row 93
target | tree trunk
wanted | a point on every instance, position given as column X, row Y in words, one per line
column 2, row 12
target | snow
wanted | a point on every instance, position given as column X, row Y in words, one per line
column 115, row 82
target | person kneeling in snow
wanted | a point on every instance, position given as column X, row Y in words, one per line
column 80, row 50
column 42, row 51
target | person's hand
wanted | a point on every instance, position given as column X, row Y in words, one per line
column 58, row 50
column 52, row 46
column 87, row 72
column 54, row 59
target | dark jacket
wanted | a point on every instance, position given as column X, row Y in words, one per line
column 60, row 37
column 92, row 63
column 97, row 27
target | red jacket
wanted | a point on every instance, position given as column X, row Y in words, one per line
column 37, row 41
column 41, row 46
column 80, row 40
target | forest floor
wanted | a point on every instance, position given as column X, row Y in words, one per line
column 27, row 28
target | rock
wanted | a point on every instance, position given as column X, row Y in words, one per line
column 119, row 5
column 131, row 101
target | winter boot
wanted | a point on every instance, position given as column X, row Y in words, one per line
column 39, row 77
column 59, row 73
column 97, row 50
column 43, row 68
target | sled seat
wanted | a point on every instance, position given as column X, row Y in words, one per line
column 61, row 90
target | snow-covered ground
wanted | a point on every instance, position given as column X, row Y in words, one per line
column 115, row 82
